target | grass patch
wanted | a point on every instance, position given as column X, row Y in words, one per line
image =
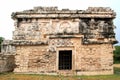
column 117, row 70
column 12, row 76
column 100, row 77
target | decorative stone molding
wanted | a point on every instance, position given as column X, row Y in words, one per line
column 23, row 42
column 53, row 12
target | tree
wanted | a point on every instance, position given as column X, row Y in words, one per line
column 117, row 54
column 1, row 40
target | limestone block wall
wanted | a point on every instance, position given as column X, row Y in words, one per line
column 7, row 60
column 94, row 59
column 7, row 63
column 34, row 59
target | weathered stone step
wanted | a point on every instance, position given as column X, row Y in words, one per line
column 66, row 72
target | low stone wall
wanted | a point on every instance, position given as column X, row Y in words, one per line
column 7, row 63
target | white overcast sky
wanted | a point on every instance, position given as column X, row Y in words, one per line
column 9, row 6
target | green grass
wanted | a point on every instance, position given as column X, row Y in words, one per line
column 101, row 77
column 117, row 70
column 12, row 76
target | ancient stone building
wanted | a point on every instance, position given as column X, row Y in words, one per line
column 68, row 42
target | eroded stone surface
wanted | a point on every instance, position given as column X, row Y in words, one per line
column 42, row 32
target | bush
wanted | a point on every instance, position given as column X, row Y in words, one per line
column 117, row 54
column 1, row 40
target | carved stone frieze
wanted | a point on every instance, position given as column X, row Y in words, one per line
column 53, row 43
column 99, row 9
column 96, row 28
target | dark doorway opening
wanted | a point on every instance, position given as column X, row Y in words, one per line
column 65, row 60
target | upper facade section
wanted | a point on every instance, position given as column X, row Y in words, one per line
column 94, row 25
column 53, row 12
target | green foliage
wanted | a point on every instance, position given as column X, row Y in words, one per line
column 117, row 54
column 1, row 40
column 116, row 70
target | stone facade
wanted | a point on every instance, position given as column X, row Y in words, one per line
column 68, row 42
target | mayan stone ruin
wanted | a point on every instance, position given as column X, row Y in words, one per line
column 68, row 42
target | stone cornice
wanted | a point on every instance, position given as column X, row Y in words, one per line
column 53, row 12
column 23, row 42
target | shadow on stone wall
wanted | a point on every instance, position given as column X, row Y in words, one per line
column 7, row 63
